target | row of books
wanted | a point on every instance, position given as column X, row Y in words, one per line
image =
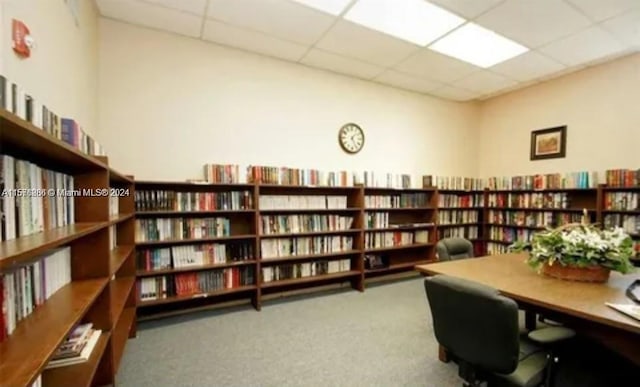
column 194, row 284
column 465, row 200
column 163, row 229
column 559, row 200
column 32, row 199
column 468, row 232
column 286, row 247
column 509, row 234
column 446, row 217
column 404, row 200
column 623, row 177
column 23, row 290
column 627, row 201
column 571, row 180
column 302, row 202
column 629, row 223
column 182, row 256
column 14, row 99
column 497, row 248
column 636, row 248
column 301, row 270
column 457, row 183
column 285, row 224
column 77, row 346
column 166, row 200
column 533, row 219
column 382, row 239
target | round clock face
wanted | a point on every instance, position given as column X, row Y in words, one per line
column 351, row 138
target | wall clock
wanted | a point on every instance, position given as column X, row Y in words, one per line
column 351, row 138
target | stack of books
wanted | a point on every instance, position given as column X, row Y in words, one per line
column 77, row 347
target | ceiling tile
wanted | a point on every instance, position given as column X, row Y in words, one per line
column 534, row 23
column 252, row 41
column 528, row 66
column 599, row 10
column 340, row 64
column 196, row 7
column 431, row 65
column 362, row 43
column 467, row 8
column 625, row 28
column 484, row 82
column 280, row 18
column 153, row 16
column 408, row 82
column 588, row 45
column 454, row 93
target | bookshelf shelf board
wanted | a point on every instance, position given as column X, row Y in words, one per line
column 185, row 184
column 151, row 273
column 173, row 299
column 21, row 250
column 265, row 261
column 309, row 210
column 121, row 334
column 315, row 278
column 118, row 256
column 629, row 212
column 120, row 290
column 461, row 208
column 458, row 224
column 400, row 266
column 310, row 233
column 402, row 247
column 368, row 190
column 517, row 226
column 540, row 209
column 23, row 140
column 401, row 228
column 81, row 374
column 629, row 188
column 195, row 240
column 499, row 241
column 311, row 187
column 542, row 190
column 26, row 352
column 119, row 218
column 372, row 209
column 634, row 234
column 117, row 177
column 190, row 213
column 461, row 191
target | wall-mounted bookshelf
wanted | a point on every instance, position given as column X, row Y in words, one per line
column 461, row 214
column 621, row 207
column 60, row 268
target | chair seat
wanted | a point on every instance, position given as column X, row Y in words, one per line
column 551, row 334
column 530, row 371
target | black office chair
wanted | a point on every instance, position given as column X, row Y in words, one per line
column 454, row 248
column 478, row 328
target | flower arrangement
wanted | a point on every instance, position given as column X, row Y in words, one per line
column 579, row 246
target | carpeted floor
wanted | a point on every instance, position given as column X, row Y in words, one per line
column 382, row 337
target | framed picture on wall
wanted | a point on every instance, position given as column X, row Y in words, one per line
column 549, row 143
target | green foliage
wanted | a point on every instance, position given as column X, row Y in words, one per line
column 579, row 245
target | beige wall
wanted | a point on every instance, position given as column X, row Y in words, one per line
column 169, row 104
column 62, row 71
column 599, row 105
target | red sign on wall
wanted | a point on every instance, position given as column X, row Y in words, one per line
column 22, row 41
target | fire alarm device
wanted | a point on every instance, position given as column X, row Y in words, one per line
column 22, row 39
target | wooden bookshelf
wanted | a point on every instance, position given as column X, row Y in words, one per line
column 621, row 207
column 89, row 297
column 461, row 214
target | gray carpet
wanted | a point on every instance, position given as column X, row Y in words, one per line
column 382, row 337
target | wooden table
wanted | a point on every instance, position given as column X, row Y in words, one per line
column 578, row 305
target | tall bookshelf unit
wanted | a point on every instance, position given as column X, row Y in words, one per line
column 512, row 215
column 461, row 214
column 195, row 244
column 399, row 228
column 100, row 290
column 621, row 207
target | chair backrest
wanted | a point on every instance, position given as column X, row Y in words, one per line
column 454, row 248
column 474, row 323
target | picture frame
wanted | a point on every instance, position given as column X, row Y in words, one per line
column 549, row 143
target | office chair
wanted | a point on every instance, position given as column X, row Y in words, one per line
column 454, row 248
column 479, row 330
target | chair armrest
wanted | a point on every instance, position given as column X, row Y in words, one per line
column 551, row 335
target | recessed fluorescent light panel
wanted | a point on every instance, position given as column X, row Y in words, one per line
column 334, row 7
column 478, row 45
column 415, row 21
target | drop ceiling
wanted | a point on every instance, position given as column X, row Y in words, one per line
column 559, row 36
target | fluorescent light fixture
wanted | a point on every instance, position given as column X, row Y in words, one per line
column 334, row 7
column 478, row 45
column 415, row 21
